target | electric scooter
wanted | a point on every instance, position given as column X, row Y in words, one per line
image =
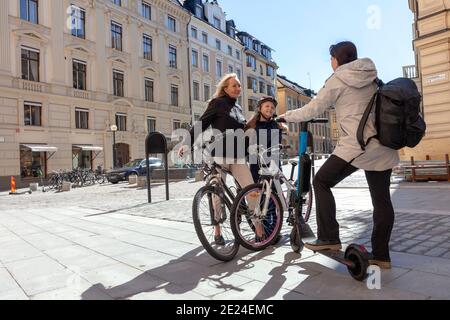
column 355, row 257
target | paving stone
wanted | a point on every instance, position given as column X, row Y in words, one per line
column 436, row 252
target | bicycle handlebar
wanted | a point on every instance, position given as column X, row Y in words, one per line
column 317, row 120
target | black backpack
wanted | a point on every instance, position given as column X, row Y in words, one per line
column 397, row 115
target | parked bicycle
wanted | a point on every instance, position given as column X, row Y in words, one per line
column 211, row 208
column 274, row 201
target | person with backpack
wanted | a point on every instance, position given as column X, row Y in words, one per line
column 349, row 90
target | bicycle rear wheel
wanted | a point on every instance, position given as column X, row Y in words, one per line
column 206, row 219
column 256, row 231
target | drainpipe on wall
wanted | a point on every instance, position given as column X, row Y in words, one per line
column 189, row 68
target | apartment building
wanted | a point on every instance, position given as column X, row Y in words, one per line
column 431, row 43
column 260, row 71
column 214, row 51
column 71, row 72
column 291, row 96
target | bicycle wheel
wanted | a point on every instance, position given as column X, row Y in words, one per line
column 309, row 198
column 307, row 202
column 256, row 231
column 205, row 220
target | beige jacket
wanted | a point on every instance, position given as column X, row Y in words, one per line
column 349, row 91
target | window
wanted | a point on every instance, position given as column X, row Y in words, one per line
column 118, row 80
column 230, row 51
column 172, row 57
column 251, row 62
column 218, row 44
column 174, row 95
column 238, row 72
column 230, row 69
column 194, row 58
column 270, row 71
column 79, row 74
column 252, row 84
column 205, row 37
column 256, row 46
column 81, row 118
column 151, row 124
column 199, row 11
column 176, row 124
column 262, row 87
column 205, row 63
column 252, row 104
column 219, row 68
column 194, row 32
column 30, row 64
column 171, row 23
column 217, row 22
column 206, row 92
column 148, row 47
column 238, row 54
column 261, row 72
column 146, row 10
column 32, row 114
column 148, row 89
column 116, row 36
column 29, row 10
column 78, row 22
column 121, row 122
column 31, row 163
column 271, row 90
column 117, row 2
column 196, row 89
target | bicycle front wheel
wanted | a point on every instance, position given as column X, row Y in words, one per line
column 256, row 229
column 210, row 214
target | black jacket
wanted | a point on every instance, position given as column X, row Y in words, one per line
column 223, row 113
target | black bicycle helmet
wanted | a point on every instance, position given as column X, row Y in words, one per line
column 265, row 99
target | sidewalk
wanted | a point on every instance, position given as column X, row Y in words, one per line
column 106, row 242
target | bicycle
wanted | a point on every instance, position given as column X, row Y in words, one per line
column 273, row 201
column 215, row 196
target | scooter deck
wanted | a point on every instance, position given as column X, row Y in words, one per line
column 337, row 255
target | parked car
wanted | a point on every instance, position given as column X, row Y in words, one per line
column 136, row 167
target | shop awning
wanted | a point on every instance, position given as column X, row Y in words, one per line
column 89, row 148
column 40, row 147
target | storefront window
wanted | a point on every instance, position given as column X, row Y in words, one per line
column 81, row 159
column 32, row 164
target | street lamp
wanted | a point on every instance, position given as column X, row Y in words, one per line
column 114, row 129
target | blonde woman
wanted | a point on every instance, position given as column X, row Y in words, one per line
column 224, row 114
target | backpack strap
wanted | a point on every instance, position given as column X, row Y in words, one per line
column 365, row 117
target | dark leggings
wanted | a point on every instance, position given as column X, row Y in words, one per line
column 330, row 174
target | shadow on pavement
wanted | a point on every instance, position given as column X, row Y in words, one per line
column 181, row 275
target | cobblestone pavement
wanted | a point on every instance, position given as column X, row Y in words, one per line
column 107, row 242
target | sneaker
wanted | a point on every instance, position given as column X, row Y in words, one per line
column 383, row 264
column 219, row 240
column 319, row 245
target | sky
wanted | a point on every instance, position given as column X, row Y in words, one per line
column 301, row 32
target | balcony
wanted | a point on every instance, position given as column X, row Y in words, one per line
column 32, row 86
column 410, row 72
column 80, row 94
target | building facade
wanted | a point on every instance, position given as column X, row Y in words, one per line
column 431, row 44
column 214, row 52
column 292, row 96
column 260, row 72
column 69, row 70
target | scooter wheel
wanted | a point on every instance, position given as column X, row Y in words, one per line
column 360, row 262
column 296, row 241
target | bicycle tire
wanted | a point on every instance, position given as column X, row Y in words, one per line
column 273, row 226
column 309, row 203
column 231, row 248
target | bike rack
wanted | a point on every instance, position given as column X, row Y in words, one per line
column 156, row 143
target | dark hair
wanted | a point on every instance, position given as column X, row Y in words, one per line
column 344, row 52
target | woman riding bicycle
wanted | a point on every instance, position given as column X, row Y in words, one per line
column 349, row 90
column 226, row 116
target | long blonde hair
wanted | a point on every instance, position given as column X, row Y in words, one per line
column 223, row 83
